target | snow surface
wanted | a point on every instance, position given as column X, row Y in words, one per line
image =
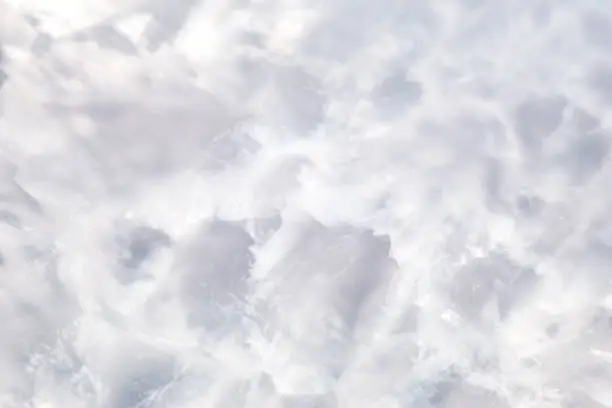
column 305, row 203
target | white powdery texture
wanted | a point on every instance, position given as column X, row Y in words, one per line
column 305, row 203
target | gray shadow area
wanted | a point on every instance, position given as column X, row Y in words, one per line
column 142, row 242
column 137, row 246
column 353, row 263
column 41, row 44
column 529, row 205
column 177, row 127
column 396, row 92
column 167, row 20
column 463, row 396
column 104, row 35
column 597, row 29
column 450, row 390
column 495, row 278
column 3, row 74
column 332, row 281
column 537, row 119
column 353, row 24
column 143, row 378
column 309, row 401
column 214, row 274
column 600, row 81
column 3, row 78
column 299, row 101
column 585, row 156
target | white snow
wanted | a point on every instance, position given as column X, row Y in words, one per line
column 291, row 204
